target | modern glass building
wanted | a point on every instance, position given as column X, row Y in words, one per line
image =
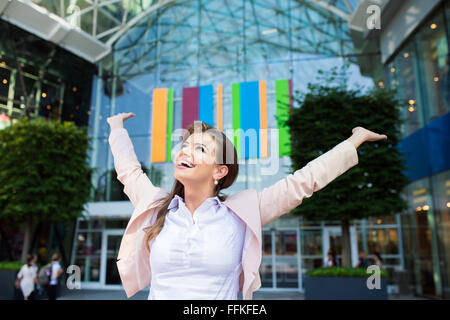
column 122, row 50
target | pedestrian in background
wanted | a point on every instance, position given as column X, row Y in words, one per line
column 27, row 276
column 362, row 260
column 56, row 272
column 377, row 259
column 331, row 259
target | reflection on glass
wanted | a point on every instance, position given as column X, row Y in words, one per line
column 381, row 220
column 4, row 89
column 336, row 244
column 311, row 242
column 421, row 259
column 384, row 241
column 441, row 189
column 402, row 76
column 286, row 259
column 433, row 58
column 113, row 245
column 87, row 254
column 266, row 263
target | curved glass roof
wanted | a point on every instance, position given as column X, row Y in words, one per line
column 219, row 37
column 205, row 41
column 107, row 20
column 103, row 19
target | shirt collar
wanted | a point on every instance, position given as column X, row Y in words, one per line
column 177, row 199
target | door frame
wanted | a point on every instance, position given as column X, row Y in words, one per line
column 274, row 286
column 353, row 242
column 103, row 257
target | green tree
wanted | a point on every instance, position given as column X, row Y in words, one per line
column 324, row 117
column 44, row 173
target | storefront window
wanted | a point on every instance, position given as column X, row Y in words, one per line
column 381, row 220
column 402, row 77
column 87, row 255
column 441, row 190
column 420, row 239
column 433, row 63
column 311, row 242
column 384, row 241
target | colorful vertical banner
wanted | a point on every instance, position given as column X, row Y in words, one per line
column 236, row 117
column 219, row 107
column 283, row 98
column 169, row 124
column 249, row 118
column 198, row 104
column 159, row 124
column 263, row 119
column 206, row 105
column 249, row 114
column 249, row 105
column 189, row 106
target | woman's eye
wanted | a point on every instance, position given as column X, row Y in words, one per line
column 201, row 148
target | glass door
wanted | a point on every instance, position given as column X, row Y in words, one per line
column 110, row 250
column 287, row 259
column 266, row 269
column 280, row 260
column 332, row 240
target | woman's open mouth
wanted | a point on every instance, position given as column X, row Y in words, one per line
column 183, row 164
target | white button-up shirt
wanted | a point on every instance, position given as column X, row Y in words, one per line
column 197, row 256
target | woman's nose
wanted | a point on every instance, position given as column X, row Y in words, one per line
column 186, row 151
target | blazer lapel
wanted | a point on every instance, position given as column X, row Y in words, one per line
column 243, row 210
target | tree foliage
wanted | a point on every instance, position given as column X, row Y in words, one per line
column 44, row 171
column 323, row 118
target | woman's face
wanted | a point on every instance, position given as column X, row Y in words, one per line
column 195, row 162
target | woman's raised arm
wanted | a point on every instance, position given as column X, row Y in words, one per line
column 129, row 171
column 288, row 193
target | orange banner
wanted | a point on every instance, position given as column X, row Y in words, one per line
column 159, row 124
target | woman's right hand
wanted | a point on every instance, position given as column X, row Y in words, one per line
column 117, row 120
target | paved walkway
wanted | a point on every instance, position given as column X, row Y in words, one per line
column 91, row 294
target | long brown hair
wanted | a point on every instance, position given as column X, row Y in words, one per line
column 224, row 151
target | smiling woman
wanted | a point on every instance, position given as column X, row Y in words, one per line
column 200, row 171
column 193, row 242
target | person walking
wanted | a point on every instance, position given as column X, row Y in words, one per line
column 331, row 259
column 27, row 276
column 193, row 242
column 377, row 259
column 362, row 260
column 56, row 271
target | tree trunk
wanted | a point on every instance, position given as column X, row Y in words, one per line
column 5, row 241
column 346, row 248
column 26, row 240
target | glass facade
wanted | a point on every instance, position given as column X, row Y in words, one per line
column 419, row 71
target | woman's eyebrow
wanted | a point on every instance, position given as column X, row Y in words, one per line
column 196, row 144
column 201, row 145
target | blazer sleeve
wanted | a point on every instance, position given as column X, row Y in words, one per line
column 129, row 171
column 288, row 193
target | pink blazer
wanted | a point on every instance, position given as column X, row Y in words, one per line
column 255, row 208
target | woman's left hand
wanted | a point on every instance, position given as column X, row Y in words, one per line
column 361, row 135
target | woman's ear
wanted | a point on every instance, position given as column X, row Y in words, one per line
column 220, row 171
